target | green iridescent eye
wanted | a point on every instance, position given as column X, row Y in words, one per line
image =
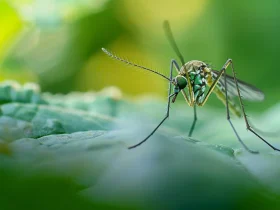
column 181, row 82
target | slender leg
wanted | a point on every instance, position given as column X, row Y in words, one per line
column 174, row 63
column 167, row 108
column 194, row 121
column 229, row 62
column 212, row 87
column 204, row 101
column 195, row 114
column 266, row 133
column 187, row 100
column 222, row 72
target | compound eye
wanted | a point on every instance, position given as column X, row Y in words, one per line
column 181, row 82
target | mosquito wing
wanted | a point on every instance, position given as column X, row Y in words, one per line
column 247, row 91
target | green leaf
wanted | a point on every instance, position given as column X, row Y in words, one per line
column 164, row 173
column 33, row 120
column 75, row 136
column 11, row 91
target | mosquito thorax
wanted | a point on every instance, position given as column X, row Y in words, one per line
column 198, row 72
column 194, row 65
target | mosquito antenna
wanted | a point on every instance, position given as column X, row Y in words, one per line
column 133, row 64
column 171, row 40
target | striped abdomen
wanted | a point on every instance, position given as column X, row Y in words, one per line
column 198, row 83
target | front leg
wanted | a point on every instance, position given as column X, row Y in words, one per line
column 173, row 63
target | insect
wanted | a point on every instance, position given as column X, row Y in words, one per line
column 196, row 81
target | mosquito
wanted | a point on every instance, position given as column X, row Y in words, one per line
column 196, row 81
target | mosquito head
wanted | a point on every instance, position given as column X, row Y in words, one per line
column 180, row 83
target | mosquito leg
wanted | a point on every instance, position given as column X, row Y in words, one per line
column 229, row 62
column 187, row 100
column 243, row 111
column 266, row 133
column 194, row 121
column 173, row 63
column 204, row 100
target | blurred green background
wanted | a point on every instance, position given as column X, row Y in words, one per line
column 58, row 43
